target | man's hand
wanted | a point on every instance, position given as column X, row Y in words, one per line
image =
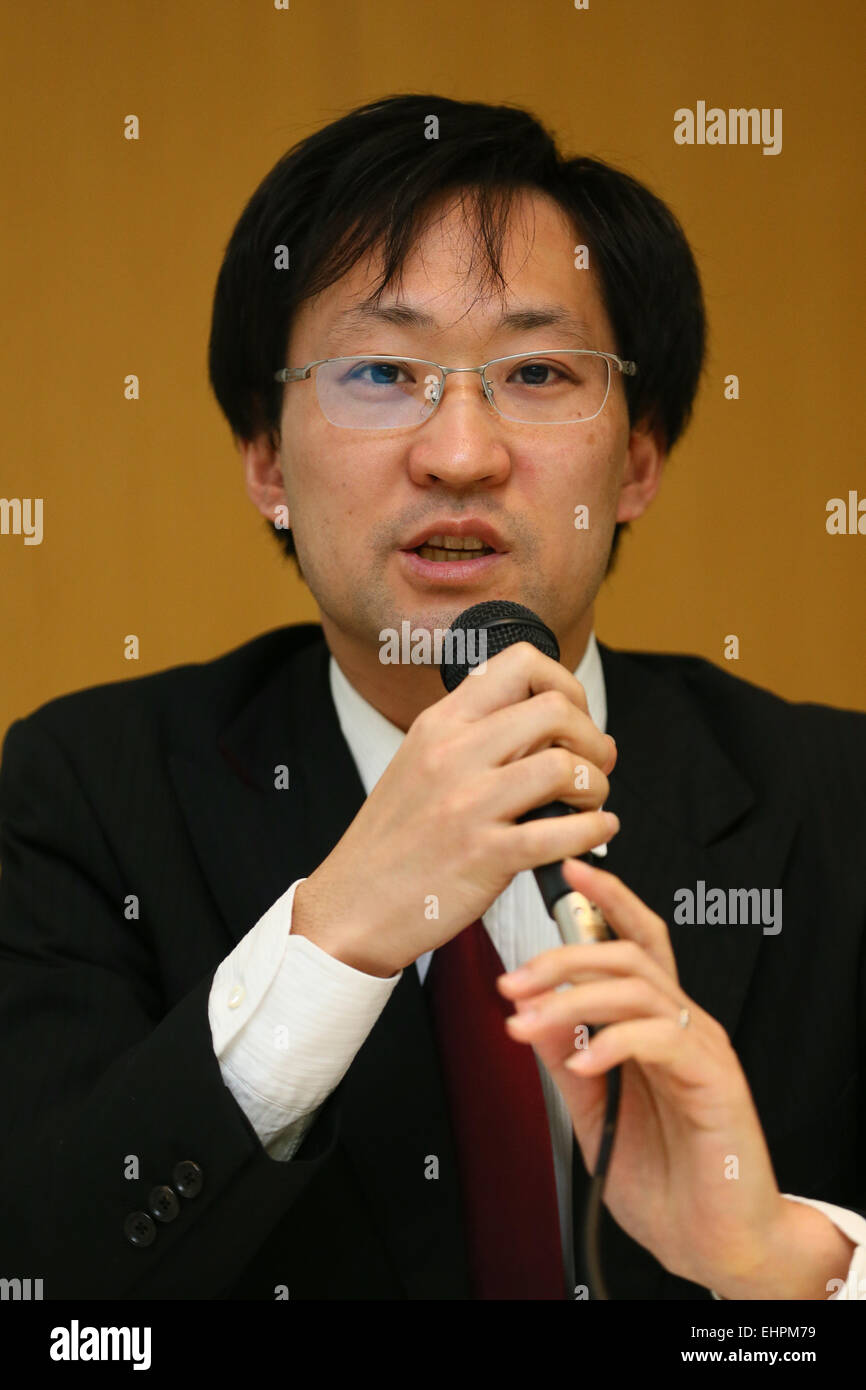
column 690, row 1176
column 436, row 841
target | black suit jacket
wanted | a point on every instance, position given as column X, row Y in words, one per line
column 163, row 788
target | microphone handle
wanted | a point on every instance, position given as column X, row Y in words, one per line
column 579, row 920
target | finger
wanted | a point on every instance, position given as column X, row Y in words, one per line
column 534, row 842
column 548, row 718
column 554, row 1016
column 623, row 910
column 656, row 1041
column 554, row 774
column 577, row 964
column 522, row 1005
column 514, row 674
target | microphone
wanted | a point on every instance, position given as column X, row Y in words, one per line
column 503, row 623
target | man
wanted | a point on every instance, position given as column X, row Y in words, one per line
column 240, row 901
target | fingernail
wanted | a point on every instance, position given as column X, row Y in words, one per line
column 519, row 976
column 526, row 1016
column 611, row 821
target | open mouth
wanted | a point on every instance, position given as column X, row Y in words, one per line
column 453, row 548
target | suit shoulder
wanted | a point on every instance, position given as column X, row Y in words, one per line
column 206, row 691
column 712, row 684
column 755, row 724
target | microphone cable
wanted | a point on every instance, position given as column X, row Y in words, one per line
column 592, row 1215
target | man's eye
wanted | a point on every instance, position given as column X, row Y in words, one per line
column 534, row 373
column 377, row 373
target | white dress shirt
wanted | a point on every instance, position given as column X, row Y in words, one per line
column 287, row 1018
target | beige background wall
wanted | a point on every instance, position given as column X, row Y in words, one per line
column 111, row 248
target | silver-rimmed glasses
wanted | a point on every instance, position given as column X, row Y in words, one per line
column 382, row 392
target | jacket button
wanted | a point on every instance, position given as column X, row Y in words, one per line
column 188, row 1178
column 163, row 1203
column 139, row 1229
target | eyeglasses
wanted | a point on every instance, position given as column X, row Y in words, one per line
column 389, row 393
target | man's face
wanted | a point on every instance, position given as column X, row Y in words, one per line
column 357, row 497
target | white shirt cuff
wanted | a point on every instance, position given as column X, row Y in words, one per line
column 287, row 1020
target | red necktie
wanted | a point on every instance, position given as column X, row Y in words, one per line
column 500, row 1125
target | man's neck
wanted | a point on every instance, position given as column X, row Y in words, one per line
column 400, row 692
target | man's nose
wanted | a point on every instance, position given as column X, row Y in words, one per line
column 463, row 442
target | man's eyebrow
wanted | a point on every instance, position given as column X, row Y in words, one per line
column 523, row 319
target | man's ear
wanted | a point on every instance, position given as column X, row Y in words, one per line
column 642, row 474
column 263, row 475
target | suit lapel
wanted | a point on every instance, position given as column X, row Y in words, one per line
column 687, row 814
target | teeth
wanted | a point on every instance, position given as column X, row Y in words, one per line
column 455, row 543
column 432, row 552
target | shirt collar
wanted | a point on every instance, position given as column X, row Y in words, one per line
column 373, row 740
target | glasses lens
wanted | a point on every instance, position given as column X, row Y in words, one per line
column 551, row 388
column 377, row 393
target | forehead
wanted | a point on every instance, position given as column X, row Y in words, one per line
column 445, row 285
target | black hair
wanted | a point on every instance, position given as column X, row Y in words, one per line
column 363, row 182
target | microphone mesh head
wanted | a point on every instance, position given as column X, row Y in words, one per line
column 503, row 624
